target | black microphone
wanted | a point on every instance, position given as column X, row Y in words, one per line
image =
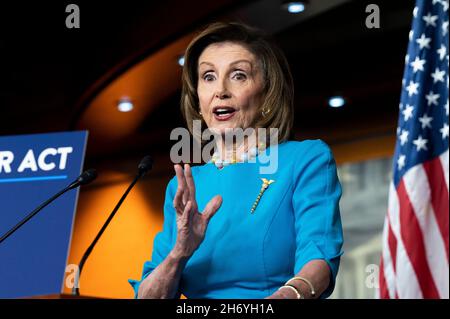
column 144, row 166
column 85, row 178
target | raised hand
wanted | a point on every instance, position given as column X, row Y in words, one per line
column 191, row 224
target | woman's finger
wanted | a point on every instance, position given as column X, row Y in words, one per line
column 182, row 183
column 178, row 202
column 186, row 214
column 189, row 182
column 212, row 207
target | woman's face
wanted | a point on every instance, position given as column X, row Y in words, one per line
column 230, row 85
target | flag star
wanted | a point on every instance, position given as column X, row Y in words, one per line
column 432, row 98
column 418, row 64
column 401, row 161
column 444, row 131
column 408, row 112
column 407, row 58
column 411, row 35
column 438, row 75
column 404, row 137
column 421, row 143
column 400, row 106
column 430, row 20
column 412, row 88
column 442, row 51
column 415, row 11
column 436, row 1
column 446, row 108
column 426, row 121
column 423, row 41
column 444, row 4
column 444, row 28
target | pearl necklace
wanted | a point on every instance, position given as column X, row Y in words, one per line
column 252, row 153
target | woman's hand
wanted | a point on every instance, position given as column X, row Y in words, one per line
column 191, row 224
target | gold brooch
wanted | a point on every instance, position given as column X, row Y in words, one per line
column 264, row 186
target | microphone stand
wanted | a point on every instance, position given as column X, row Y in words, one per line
column 75, row 289
column 34, row 212
column 84, row 178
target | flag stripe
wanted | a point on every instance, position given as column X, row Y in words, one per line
column 388, row 270
column 418, row 190
column 384, row 292
column 414, row 244
column 405, row 280
column 439, row 197
column 392, row 241
column 444, row 162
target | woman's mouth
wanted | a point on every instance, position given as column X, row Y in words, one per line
column 223, row 113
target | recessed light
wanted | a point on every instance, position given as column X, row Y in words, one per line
column 125, row 105
column 336, row 101
column 294, row 6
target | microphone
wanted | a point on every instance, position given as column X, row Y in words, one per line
column 85, row 178
column 144, row 166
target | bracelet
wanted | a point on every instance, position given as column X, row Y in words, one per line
column 299, row 295
column 313, row 292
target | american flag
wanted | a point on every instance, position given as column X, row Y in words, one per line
column 414, row 261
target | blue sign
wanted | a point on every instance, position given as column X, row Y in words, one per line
column 32, row 169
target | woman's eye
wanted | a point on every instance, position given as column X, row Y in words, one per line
column 208, row 77
column 239, row 76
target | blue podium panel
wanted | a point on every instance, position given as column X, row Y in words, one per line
column 33, row 168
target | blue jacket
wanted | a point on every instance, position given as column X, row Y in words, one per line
column 250, row 255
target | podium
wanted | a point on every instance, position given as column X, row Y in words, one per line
column 63, row 296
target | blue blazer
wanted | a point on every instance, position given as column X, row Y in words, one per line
column 250, row 255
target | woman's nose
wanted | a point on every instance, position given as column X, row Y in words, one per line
column 222, row 91
column 222, row 95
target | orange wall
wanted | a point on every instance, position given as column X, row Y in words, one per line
column 127, row 242
column 365, row 149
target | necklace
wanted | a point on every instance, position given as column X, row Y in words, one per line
column 252, row 153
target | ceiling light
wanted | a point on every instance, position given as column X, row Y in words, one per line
column 294, row 6
column 125, row 105
column 336, row 101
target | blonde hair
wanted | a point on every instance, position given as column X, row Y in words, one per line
column 278, row 92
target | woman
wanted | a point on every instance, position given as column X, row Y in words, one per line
column 230, row 231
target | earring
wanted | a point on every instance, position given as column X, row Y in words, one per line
column 200, row 112
column 264, row 112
